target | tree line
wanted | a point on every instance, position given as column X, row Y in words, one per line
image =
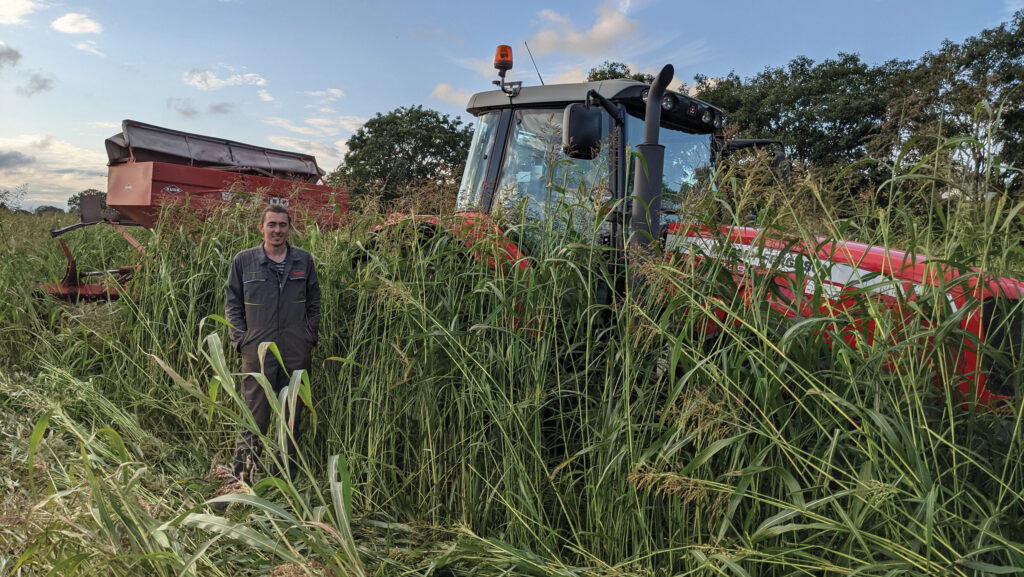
column 831, row 114
column 842, row 111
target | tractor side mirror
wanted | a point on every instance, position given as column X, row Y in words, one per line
column 581, row 131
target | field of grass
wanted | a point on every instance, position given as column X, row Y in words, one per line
column 473, row 421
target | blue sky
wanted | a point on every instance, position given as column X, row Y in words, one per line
column 304, row 75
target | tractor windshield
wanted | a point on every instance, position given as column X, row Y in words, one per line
column 537, row 179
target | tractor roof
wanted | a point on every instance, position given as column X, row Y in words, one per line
column 628, row 92
column 554, row 94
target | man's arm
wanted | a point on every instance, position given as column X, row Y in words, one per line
column 313, row 301
column 234, row 304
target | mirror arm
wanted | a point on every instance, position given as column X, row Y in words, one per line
column 614, row 111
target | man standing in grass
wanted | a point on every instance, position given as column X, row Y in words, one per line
column 272, row 296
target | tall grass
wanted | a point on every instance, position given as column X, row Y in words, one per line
column 477, row 417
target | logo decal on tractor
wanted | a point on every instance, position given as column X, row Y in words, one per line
column 172, row 189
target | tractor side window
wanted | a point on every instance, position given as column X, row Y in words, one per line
column 538, row 178
column 687, row 166
column 480, row 148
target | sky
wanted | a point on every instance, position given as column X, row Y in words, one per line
column 305, row 75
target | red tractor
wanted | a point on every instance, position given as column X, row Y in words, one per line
column 152, row 167
column 528, row 138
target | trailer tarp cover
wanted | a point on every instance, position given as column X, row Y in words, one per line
column 148, row 143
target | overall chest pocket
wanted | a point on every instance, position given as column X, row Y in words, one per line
column 254, row 288
column 295, row 288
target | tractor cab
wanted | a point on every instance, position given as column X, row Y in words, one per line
column 537, row 150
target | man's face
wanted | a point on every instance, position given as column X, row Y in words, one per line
column 275, row 229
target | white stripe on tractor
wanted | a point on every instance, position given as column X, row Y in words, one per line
column 833, row 277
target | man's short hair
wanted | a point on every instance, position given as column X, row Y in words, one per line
column 277, row 208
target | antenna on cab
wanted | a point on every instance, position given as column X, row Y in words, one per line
column 530, row 52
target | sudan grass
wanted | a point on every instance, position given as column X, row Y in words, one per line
column 570, row 411
column 624, row 435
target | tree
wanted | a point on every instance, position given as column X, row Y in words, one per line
column 403, row 150
column 824, row 112
column 611, row 70
column 10, row 198
column 47, row 209
column 76, row 199
column 974, row 90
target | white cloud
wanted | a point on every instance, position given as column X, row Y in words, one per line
column 59, row 170
column 208, row 80
column 292, row 127
column 484, row 68
column 324, row 97
column 570, row 76
column 331, row 126
column 555, row 17
column 332, row 93
column 690, row 54
column 447, row 93
column 321, row 126
column 328, row 155
column 104, row 124
column 75, row 23
column 14, row 11
column 264, row 95
column 90, row 47
column 611, row 30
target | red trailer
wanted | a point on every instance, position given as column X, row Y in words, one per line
column 151, row 167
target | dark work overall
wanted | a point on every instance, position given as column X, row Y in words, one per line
column 265, row 306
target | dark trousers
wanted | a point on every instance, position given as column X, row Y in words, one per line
column 249, row 447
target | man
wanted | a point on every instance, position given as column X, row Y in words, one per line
column 272, row 295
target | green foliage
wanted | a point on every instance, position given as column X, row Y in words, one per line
column 572, row 412
column 479, row 419
column 842, row 110
column 611, row 70
column 962, row 87
column 409, row 147
column 825, row 112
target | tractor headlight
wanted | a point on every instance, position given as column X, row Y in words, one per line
column 668, row 102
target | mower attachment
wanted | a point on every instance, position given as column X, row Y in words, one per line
column 72, row 287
